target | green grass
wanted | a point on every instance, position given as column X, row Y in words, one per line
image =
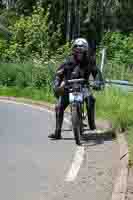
column 117, row 106
column 29, row 92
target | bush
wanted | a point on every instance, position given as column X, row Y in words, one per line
column 117, row 107
column 36, row 73
column 31, row 38
column 119, row 47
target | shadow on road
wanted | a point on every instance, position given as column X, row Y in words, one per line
column 93, row 138
column 98, row 138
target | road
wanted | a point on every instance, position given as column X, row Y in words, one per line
column 32, row 167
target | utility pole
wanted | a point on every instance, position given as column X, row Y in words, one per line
column 103, row 52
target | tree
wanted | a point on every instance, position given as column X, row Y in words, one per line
column 87, row 18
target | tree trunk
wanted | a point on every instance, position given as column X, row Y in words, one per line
column 68, row 31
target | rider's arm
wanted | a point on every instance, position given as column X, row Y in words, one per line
column 97, row 74
column 98, row 77
column 59, row 76
column 58, row 79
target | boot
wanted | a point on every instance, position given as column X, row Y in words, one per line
column 91, row 113
column 91, row 118
column 59, row 120
column 56, row 135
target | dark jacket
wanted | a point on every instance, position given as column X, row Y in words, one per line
column 82, row 70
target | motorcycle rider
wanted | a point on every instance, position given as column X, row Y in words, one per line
column 81, row 64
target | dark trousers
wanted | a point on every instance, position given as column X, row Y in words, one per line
column 62, row 104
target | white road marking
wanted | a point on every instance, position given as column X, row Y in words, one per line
column 76, row 164
column 28, row 105
column 80, row 150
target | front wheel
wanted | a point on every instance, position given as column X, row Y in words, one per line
column 76, row 122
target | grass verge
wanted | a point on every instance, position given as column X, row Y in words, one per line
column 29, row 92
column 117, row 106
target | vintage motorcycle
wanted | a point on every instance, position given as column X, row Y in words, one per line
column 78, row 90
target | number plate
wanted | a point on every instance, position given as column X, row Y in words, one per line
column 75, row 97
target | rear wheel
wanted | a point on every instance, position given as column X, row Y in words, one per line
column 76, row 122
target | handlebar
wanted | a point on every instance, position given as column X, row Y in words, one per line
column 80, row 80
column 115, row 82
column 89, row 83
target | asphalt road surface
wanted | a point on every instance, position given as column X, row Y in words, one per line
column 33, row 167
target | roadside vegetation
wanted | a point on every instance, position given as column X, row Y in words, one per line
column 32, row 45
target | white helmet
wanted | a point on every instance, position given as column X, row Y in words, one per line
column 81, row 43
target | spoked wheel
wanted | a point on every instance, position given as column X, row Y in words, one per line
column 77, row 122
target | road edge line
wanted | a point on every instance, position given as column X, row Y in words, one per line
column 120, row 185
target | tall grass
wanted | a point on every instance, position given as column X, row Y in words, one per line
column 115, row 70
column 116, row 105
column 27, row 74
column 28, row 92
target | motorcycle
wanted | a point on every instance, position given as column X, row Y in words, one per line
column 78, row 90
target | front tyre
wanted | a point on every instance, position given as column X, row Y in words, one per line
column 76, row 122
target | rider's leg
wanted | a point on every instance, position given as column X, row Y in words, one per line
column 90, row 105
column 59, row 112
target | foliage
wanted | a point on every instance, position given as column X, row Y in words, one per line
column 28, row 92
column 31, row 38
column 117, row 106
column 119, row 62
column 120, row 46
column 38, row 72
